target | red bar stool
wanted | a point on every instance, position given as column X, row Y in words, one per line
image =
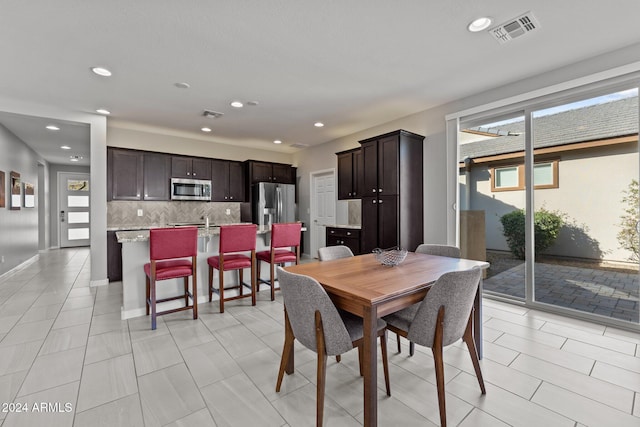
column 234, row 238
column 283, row 235
column 166, row 247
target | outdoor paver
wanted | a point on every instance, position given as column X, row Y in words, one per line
column 607, row 293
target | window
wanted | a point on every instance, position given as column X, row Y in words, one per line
column 509, row 178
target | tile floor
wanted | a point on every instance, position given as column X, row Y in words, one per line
column 67, row 359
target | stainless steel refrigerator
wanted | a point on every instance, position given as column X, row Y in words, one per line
column 273, row 203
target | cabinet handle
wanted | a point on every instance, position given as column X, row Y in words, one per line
column 231, row 198
column 332, row 232
column 379, row 190
column 225, row 197
column 379, row 202
column 374, row 190
column 375, row 201
column 348, row 233
column 194, row 174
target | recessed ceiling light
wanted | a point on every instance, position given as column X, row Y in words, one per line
column 479, row 24
column 318, row 124
column 53, row 127
column 277, row 141
column 182, row 85
column 206, row 129
column 101, row 71
column 65, row 147
column 237, row 104
column 103, row 111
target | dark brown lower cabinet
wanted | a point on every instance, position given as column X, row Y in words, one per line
column 348, row 237
column 114, row 257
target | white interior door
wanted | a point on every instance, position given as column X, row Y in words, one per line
column 323, row 207
column 73, row 207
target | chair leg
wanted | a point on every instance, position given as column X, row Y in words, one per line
column 153, row 304
column 398, row 341
column 471, row 345
column 284, row 359
column 148, row 296
column 273, row 285
column 385, row 362
column 360, row 360
column 221, row 288
column 240, row 281
column 338, row 358
column 439, row 366
column 322, row 370
column 412, row 348
column 258, row 262
column 186, row 291
column 254, row 281
column 194, row 280
column 210, row 283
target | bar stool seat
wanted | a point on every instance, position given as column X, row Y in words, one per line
column 284, row 238
column 172, row 255
column 234, row 239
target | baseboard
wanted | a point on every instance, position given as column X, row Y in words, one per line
column 101, row 282
column 20, row 266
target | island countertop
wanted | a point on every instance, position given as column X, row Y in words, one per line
column 142, row 235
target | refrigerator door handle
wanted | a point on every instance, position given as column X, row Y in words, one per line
column 278, row 204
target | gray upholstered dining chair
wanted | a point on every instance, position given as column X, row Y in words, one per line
column 334, row 252
column 432, row 249
column 321, row 327
column 443, row 317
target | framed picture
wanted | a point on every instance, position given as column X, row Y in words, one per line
column 3, row 188
column 16, row 193
column 29, row 195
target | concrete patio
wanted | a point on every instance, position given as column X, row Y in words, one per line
column 607, row 293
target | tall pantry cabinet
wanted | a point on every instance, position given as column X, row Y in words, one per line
column 392, row 197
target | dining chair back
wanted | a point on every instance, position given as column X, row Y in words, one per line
column 334, row 252
column 284, row 248
column 168, row 248
column 440, row 250
column 444, row 316
column 313, row 319
column 235, row 241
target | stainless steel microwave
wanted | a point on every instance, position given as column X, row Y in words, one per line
column 190, row 189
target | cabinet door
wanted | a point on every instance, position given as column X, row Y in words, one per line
column 358, row 176
column 127, row 175
column 236, row 182
column 388, row 222
column 261, row 172
column 345, row 176
column 200, row 168
column 114, row 257
column 353, row 244
column 219, row 180
column 157, row 176
column 369, row 232
column 388, row 165
column 282, row 174
column 370, row 169
column 180, row 167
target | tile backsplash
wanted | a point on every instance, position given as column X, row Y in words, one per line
column 354, row 212
column 125, row 213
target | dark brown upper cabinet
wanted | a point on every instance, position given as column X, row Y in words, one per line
column 190, row 167
column 270, row 172
column 157, row 176
column 392, row 197
column 125, row 174
column 227, row 180
column 350, row 174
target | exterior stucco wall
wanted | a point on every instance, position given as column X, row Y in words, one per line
column 591, row 185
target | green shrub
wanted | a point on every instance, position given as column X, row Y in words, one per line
column 547, row 225
column 628, row 235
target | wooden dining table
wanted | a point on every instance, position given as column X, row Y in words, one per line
column 363, row 286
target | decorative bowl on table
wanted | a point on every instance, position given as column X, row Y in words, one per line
column 390, row 257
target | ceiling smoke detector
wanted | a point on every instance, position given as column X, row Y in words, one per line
column 212, row 114
column 515, row 28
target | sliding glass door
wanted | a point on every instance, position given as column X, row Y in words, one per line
column 551, row 193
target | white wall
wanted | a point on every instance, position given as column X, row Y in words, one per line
column 18, row 228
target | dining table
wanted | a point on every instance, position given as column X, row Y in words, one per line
column 363, row 286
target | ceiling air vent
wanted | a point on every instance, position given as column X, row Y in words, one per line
column 299, row 145
column 515, row 28
column 212, row 114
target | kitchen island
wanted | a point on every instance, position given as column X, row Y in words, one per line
column 135, row 253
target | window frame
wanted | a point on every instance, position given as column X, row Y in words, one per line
column 521, row 176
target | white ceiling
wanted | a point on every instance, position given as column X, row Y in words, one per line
column 350, row 64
